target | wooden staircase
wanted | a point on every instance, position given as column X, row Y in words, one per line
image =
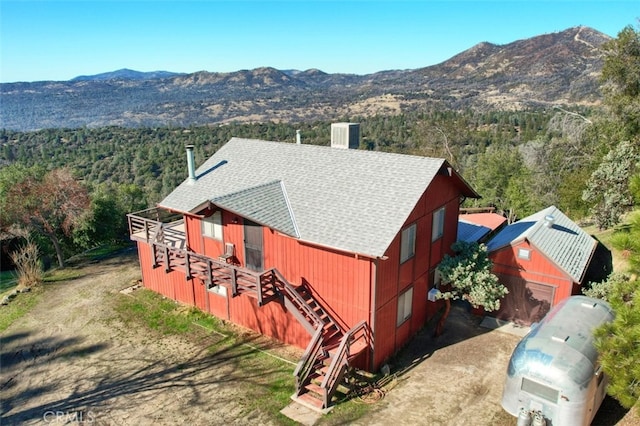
column 322, row 369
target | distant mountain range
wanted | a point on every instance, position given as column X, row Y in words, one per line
column 551, row 69
column 126, row 74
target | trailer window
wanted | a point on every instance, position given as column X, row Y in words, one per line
column 539, row 390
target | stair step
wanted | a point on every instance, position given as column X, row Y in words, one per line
column 310, row 400
column 314, row 388
column 358, row 346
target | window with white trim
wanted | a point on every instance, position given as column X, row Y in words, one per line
column 408, row 243
column 212, row 226
column 437, row 228
column 524, row 254
column 405, row 301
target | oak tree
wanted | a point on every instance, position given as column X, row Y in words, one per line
column 50, row 203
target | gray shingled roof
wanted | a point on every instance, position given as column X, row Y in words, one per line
column 564, row 243
column 350, row 200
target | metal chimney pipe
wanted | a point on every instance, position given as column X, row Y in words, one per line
column 549, row 220
column 191, row 163
column 298, row 137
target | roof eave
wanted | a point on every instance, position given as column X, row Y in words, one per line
column 466, row 189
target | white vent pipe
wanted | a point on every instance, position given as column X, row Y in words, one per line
column 191, row 163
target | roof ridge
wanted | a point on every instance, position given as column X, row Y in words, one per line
column 291, row 213
column 247, row 189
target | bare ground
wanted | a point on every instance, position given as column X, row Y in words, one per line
column 72, row 358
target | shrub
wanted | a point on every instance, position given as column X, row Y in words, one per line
column 28, row 267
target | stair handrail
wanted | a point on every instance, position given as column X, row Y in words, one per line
column 308, row 360
column 295, row 297
column 341, row 358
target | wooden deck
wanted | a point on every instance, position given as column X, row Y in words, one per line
column 325, row 361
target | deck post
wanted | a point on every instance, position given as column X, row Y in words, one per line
column 187, row 265
column 154, row 255
column 258, row 279
column 209, row 278
column 234, row 282
column 167, row 266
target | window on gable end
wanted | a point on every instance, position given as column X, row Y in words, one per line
column 212, row 226
column 524, row 254
column 408, row 243
column 437, row 228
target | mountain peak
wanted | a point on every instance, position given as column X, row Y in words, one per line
column 559, row 68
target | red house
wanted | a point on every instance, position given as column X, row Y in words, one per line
column 325, row 248
column 542, row 259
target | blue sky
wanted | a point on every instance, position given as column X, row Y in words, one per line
column 54, row 40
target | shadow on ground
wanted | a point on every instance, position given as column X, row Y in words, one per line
column 141, row 383
column 460, row 325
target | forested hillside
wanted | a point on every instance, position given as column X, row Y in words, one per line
column 153, row 159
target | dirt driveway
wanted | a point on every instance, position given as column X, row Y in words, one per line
column 72, row 360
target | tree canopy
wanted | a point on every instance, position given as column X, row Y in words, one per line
column 467, row 275
column 50, row 203
column 621, row 78
column 617, row 342
column 608, row 188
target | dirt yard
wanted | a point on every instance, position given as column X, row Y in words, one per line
column 72, row 359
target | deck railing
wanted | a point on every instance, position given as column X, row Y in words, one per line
column 309, row 360
column 358, row 333
column 168, row 246
column 166, row 235
column 296, row 303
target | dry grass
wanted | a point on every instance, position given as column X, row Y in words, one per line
column 28, row 267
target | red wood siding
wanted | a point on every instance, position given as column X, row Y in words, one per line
column 538, row 269
column 339, row 281
column 193, row 229
column 343, row 283
column 393, row 278
column 271, row 319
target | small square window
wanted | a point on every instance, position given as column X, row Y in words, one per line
column 408, row 243
column 524, row 254
column 212, row 226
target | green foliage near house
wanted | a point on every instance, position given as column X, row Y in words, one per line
column 613, row 186
column 467, row 275
column 608, row 187
column 617, row 342
column 621, row 81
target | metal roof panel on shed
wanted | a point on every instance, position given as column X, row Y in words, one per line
column 555, row 235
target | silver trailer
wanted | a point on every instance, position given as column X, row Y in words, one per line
column 554, row 371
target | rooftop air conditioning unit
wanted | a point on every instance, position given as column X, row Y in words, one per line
column 345, row 135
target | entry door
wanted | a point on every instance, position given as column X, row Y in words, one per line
column 253, row 245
